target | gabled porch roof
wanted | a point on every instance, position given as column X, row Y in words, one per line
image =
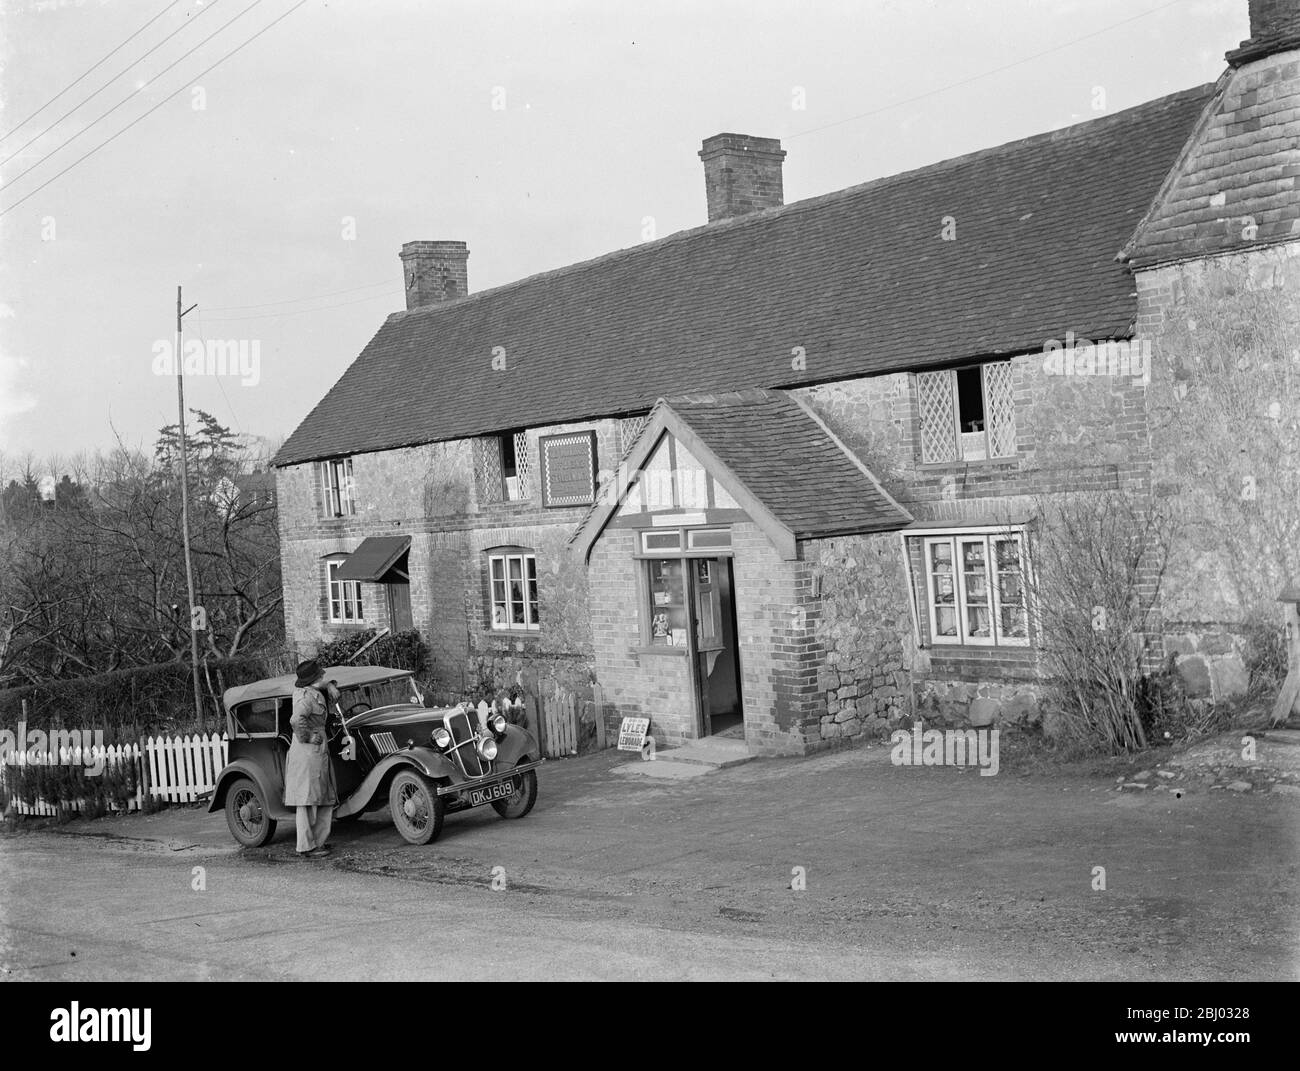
column 776, row 458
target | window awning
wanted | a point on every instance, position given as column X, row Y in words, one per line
column 376, row 555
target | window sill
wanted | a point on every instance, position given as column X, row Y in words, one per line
column 1013, row 461
column 659, row 649
column 514, row 633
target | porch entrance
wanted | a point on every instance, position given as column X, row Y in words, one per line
column 715, row 654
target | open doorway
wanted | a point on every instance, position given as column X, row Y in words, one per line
column 717, row 654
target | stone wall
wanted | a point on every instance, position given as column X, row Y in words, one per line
column 865, row 630
column 1224, row 412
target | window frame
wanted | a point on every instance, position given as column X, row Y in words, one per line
column 342, row 600
column 338, row 483
column 530, row 600
column 954, row 394
column 992, row 577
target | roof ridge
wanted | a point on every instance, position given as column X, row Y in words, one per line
column 1081, row 129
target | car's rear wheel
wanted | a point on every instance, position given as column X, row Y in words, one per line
column 416, row 807
column 521, row 800
column 246, row 814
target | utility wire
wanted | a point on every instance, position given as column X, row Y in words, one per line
column 294, row 301
column 92, row 68
column 87, row 100
column 94, row 122
column 299, row 312
column 983, row 74
column 110, row 140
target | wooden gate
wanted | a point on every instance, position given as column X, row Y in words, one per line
column 559, row 722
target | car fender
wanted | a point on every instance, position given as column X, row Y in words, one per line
column 516, row 744
column 422, row 759
column 273, row 794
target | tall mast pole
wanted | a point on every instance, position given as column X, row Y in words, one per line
column 185, row 511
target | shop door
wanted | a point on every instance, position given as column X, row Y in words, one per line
column 717, row 659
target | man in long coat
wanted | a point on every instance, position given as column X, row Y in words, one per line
column 308, row 774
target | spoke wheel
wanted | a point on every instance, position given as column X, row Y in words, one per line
column 521, row 800
column 246, row 814
column 416, row 807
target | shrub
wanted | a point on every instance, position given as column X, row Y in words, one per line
column 398, row 650
column 1095, row 571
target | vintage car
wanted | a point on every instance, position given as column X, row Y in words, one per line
column 387, row 747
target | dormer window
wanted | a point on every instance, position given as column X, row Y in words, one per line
column 966, row 414
column 503, row 467
column 339, row 490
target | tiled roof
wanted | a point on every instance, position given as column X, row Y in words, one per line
column 1235, row 186
column 767, row 446
column 791, row 462
column 860, row 279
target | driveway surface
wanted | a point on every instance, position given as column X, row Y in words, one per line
column 910, row 873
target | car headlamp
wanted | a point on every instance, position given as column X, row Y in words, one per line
column 497, row 723
column 487, row 747
column 441, row 738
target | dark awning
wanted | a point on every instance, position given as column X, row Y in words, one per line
column 375, row 556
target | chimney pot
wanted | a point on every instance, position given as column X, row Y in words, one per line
column 434, row 272
column 741, row 174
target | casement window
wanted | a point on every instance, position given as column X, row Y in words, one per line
column 503, row 467
column 344, row 595
column 976, row 589
column 512, row 577
column 339, row 498
column 966, row 414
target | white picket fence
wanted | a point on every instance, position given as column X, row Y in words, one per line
column 176, row 769
column 182, row 768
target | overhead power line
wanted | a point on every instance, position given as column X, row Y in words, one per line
column 294, row 301
column 110, row 140
column 91, row 69
column 299, row 312
column 76, row 107
column 984, row 74
column 94, row 122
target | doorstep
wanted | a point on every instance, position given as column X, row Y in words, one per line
column 690, row 760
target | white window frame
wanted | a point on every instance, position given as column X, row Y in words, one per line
column 339, row 487
column 499, row 573
column 342, row 594
column 990, row 539
column 986, row 454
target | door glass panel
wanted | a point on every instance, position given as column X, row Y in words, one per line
column 667, row 601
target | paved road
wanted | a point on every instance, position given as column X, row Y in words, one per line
column 912, row 873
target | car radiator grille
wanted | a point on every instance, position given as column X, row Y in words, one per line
column 464, row 739
column 384, row 743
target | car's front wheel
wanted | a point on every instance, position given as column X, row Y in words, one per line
column 246, row 814
column 416, row 807
column 521, row 800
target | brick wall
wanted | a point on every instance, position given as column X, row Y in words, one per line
column 429, row 493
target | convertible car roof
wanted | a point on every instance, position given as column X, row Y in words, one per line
column 345, row 676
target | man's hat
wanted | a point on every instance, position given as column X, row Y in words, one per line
column 308, row 673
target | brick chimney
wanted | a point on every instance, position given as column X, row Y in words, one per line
column 741, row 174
column 434, row 272
column 1274, row 27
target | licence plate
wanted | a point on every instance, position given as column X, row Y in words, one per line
column 499, row 791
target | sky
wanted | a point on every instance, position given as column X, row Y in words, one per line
column 278, row 187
